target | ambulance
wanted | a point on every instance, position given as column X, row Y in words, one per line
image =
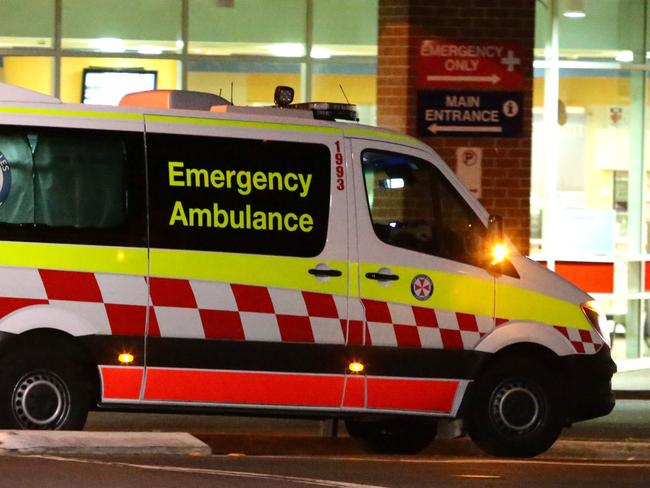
column 181, row 254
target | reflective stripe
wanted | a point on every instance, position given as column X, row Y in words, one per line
column 251, row 269
column 244, row 387
column 451, row 291
column 411, row 394
column 351, row 131
column 70, row 113
column 242, row 123
column 73, row 257
column 515, row 303
column 121, row 382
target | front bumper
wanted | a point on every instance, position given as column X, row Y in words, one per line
column 589, row 389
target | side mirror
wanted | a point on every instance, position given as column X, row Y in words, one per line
column 495, row 229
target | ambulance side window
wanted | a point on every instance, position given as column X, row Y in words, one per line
column 414, row 207
column 71, row 185
column 238, row 195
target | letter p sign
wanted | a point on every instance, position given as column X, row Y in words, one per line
column 468, row 168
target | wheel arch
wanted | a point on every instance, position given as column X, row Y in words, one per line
column 54, row 340
column 517, row 332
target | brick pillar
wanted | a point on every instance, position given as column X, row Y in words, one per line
column 403, row 24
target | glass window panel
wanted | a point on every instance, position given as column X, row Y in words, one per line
column 146, row 26
column 542, row 27
column 333, row 82
column 225, row 27
column 245, row 83
column 412, row 206
column 623, row 328
column 611, row 30
column 344, row 28
column 72, row 72
column 597, row 113
column 31, row 72
column 21, row 27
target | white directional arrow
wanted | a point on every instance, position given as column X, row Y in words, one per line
column 494, row 78
column 435, row 128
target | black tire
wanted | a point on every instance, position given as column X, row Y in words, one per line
column 43, row 390
column 392, row 437
column 515, row 409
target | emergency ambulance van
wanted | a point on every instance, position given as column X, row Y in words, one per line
column 181, row 254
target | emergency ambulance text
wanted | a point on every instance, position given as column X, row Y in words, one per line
column 243, row 180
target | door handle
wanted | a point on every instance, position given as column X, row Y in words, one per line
column 325, row 272
column 382, row 276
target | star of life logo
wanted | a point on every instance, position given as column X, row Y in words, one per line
column 422, row 287
column 5, row 179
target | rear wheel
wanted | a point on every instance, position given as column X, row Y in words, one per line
column 42, row 390
column 392, row 437
column 515, row 409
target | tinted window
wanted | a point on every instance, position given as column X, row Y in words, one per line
column 414, row 207
column 237, row 195
column 71, row 185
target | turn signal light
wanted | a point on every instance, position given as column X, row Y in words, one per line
column 125, row 358
column 499, row 253
column 356, row 367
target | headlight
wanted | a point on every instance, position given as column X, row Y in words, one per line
column 596, row 317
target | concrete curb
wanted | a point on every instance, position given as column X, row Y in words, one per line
column 115, row 443
column 265, row 445
column 601, row 449
column 179, row 443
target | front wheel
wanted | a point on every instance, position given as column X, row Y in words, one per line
column 392, row 437
column 42, row 390
column 515, row 409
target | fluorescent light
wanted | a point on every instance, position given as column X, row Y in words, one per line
column 320, row 53
column 149, row 50
column 287, row 50
column 394, row 183
column 574, row 9
column 108, row 45
column 626, row 56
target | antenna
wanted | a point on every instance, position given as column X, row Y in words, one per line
column 343, row 91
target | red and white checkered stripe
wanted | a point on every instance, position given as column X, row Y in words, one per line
column 116, row 304
column 583, row 341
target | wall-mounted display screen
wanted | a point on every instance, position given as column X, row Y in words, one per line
column 105, row 86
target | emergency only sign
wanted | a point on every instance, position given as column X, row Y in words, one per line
column 469, row 113
column 469, row 64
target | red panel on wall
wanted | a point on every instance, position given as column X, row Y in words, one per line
column 591, row 277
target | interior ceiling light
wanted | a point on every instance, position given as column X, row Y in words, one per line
column 108, row 45
column 320, row 53
column 152, row 50
column 626, row 56
column 287, row 50
column 574, row 9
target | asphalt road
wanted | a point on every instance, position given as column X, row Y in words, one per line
column 319, row 471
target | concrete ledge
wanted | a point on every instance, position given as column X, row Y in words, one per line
column 632, row 394
column 601, row 450
column 288, row 445
column 72, row 442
